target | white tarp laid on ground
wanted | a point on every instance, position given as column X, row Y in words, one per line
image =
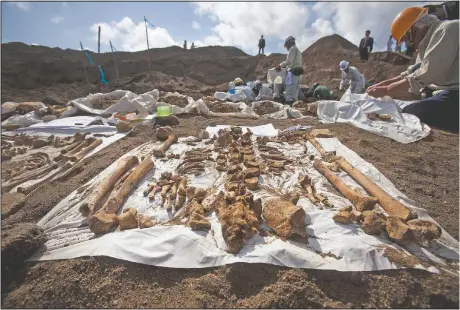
column 330, row 245
column 352, row 109
column 96, row 126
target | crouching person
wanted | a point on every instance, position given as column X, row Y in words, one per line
column 437, row 44
column 352, row 77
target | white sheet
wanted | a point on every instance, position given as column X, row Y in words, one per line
column 352, row 109
column 69, row 126
column 179, row 247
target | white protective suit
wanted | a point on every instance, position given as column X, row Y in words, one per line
column 293, row 60
column 438, row 55
column 355, row 79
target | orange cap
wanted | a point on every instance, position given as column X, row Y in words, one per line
column 404, row 20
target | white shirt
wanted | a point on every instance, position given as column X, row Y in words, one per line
column 438, row 55
column 293, row 60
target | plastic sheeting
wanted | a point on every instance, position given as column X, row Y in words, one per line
column 330, row 245
column 126, row 102
column 352, row 109
column 69, row 126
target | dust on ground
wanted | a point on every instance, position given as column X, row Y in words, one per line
column 426, row 171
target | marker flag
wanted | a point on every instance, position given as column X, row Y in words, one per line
column 87, row 55
column 145, row 19
column 103, row 76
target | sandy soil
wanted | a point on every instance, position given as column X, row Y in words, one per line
column 426, row 171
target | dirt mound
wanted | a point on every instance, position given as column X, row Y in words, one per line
column 39, row 73
column 329, row 43
column 19, row 241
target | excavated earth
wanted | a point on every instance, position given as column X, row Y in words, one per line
column 426, row 171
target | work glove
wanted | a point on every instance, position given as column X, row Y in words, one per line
column 278, row 68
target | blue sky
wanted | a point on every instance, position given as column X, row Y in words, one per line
column 64, row 24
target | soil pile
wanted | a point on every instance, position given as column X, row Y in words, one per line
column 39, row 73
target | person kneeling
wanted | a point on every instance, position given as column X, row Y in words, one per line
column 437, row 44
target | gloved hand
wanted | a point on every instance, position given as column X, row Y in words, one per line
column 278, row 68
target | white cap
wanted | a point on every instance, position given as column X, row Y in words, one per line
column 343, row 65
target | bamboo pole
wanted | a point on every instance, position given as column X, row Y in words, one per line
column 114, row 62
column 148, row 46
column 99, row 40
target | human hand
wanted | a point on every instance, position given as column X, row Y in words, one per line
column 377, row 92
column 278, row 68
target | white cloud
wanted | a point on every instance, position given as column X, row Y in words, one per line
column 23, row 6
column 277, row 20
column 129, row 36
column 274, row 20
column 34, row 44
column 196, row 25
column 57, row 19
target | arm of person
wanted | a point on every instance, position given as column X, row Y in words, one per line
column 439, row 56
column 345, row 81
column 371, row 44
column 289, row 60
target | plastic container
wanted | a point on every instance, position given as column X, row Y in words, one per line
column 164, row 111
column 232, row 91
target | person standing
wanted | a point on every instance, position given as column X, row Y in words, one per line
column 185, row 44
column 366, row 45
column 261, row 45
column 389, row 44
column 192, row 46
column 398, row 47
column 293, row 65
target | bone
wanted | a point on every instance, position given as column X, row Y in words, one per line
column 128, row 219
column 70, row 147
column 388, row 203
column 117, row 197
column 28, row 176
column 94, row 201
column 328, row 156
column 28, row 190
column 155, row 190
column 284, row 218
column 360, row 202
column 162, row 150
column 75, row 150
column 78, row 156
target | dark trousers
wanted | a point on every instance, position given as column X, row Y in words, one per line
column 363, row 52
column 409, row 51
column 440, row 111
column 261, row 48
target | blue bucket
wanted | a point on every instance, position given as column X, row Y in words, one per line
column 232, row 91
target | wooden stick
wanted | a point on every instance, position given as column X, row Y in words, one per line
column 388, row 203
column 91, row 205
column 114, row 62
column 361, row 202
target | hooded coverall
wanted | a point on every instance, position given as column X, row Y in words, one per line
column 438, row 58
column 293, row 60
column 355, row 79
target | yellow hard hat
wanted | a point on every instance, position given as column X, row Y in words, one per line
column 238, row 82
column 404, row 20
